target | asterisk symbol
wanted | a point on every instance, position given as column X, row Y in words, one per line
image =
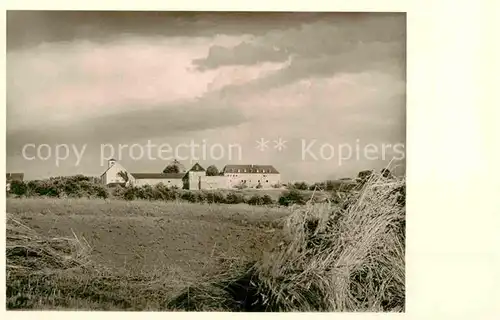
column 262, row 144
column 279, row 144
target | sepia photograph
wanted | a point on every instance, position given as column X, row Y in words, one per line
column 206, row 161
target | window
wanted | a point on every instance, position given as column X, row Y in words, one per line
column 239, row 170
column 245, row 170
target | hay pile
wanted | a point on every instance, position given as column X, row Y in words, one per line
column 328, row 258
column 41, row 269
column 28, row 252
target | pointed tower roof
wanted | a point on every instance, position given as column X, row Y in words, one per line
column 197, row 167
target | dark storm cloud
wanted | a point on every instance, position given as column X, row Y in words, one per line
column 377, row 57
column 31, row 28
column 323, row 39
column 242, row 54
column 322, row 49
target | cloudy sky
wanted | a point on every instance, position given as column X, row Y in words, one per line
column 94, row 78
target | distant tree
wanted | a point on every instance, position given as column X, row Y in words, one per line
column 124, row 176
column 267, row 199
column 255, row 200
column 332, row 185
column 386, row 173
column 130, row 193
column 291, row 197
column 318, row 186
column 363, row 177
column 301, row 185
column 365, row 174
column 18, row 187
column 234, row 198
column 212, row 171
column 174, row 167
column 171, row 168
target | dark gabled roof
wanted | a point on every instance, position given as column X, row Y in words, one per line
column 250, row 168
column 158, row 175
column 15, row 176
column 197, row 168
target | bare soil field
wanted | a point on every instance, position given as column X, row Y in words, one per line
column 182, row 241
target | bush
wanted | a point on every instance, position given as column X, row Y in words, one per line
column 333, row 185
column 18, row 188
column 267, row 200
column 188, row 196
column 48, row 188
column 130, row 193
column 145, row 192
column 215, row 197
column 83, row 186
column 162, row 192
column 318, row 186
column 300, row 185
column 233, row 198
column 72, row 186
column 291, row 197
column 201, row 197
column 255, row 200
column 102, row 192
column 118, row 191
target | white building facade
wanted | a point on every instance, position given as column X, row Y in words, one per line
column 113, row 175
column 252, row 176
column 232, row 176
column 117, row 174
